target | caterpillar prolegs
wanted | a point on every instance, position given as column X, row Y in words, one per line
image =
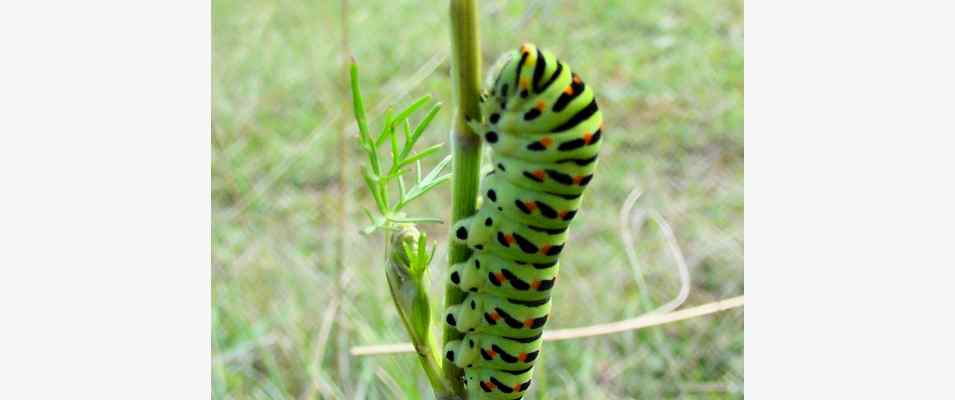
column 544, row 127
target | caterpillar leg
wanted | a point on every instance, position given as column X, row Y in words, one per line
column 475, row 231
column 475, row 125
column 460, row 353
column 465, row 317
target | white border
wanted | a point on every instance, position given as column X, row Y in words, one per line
column 849, row 196
column 105, row 210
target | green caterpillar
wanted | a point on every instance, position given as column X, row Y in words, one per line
column 543, row 125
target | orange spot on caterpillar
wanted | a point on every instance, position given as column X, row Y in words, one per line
column 522, row 357
column 569, row 90
column 540, row 105
column 577, row 79
column 539, row 174
column 486, row 385
column 578, row 179
column 563, row 214
column 523, row 84
column 517, row 387
column 536, row 284
column 546, row 141
column 491, row 353
column 526, row 48
column 495, row 316
column 545, row 248
column 588, row 137
column 531, row 206
column 499, row 277
column 509, row 239
column 528, row 323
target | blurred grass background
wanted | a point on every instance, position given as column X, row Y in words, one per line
column 669, row 77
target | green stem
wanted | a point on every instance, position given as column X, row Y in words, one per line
column 432, row 367
column 467, row 146
column 407, row 276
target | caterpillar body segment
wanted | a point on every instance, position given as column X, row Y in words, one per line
column 577, row 142
column 486, row 273
column 505, row 201
column 492, row 315
column 544, row 128
column 487, row 383
column 484, row 351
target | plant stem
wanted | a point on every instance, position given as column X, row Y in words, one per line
column 432, row 366
column 466, row 148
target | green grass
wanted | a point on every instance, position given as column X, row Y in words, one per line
column 669, row 76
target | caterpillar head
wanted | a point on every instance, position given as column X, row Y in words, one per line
column 524, row 92
column 511, row 75
column 511, row 79
column 470, row 381
column 493, row 77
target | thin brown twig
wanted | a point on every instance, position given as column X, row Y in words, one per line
column 324, row 332
column 632, row 324
column 344, row 192
column 343, row 159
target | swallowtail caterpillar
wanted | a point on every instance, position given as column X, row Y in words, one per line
column 544, row 128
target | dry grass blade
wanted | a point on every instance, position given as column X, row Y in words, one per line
column 323, row 335
column 632, row 324
column 644, row 321
column 626, row 212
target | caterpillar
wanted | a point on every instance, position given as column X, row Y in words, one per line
column 544, row 129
